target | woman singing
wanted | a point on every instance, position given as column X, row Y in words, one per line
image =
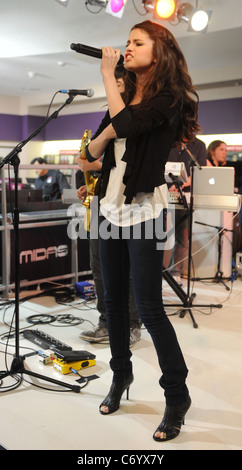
column 158, row 109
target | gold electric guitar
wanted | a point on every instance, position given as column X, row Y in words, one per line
column 91, row 181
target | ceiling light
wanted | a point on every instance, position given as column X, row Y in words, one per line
column 165, row 8
column 197, row 18
column 113, row 7
column 64, row 3
column 200, row 20
column 162, row 9
column 116, row 7
column 31, row 74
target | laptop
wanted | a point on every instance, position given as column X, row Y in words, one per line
column 213, row 181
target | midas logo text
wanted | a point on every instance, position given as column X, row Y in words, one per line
column 42, row 254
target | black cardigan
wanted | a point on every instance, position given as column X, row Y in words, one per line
column 150, row 131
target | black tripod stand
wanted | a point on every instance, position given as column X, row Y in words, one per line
column 17, row 366
column 219, row 274
column 187, row 298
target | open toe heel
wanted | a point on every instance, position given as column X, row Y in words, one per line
column 172, row 421
column 112, row 400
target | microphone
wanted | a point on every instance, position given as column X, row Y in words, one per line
column 89, row 92
column 173, row 178
column 92, row 51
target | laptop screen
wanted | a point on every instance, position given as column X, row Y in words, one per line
column 213, row 181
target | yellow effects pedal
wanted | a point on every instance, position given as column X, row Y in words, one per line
column 66, row 367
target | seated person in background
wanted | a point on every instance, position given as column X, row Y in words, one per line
column 217, row 153
column 52, row 182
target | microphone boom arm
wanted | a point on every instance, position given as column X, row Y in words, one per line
column 9, row 158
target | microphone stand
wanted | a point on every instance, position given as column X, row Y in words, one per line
column 187, row 298
column 219, row 274
column 12, row 158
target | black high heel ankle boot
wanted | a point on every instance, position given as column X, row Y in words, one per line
column 172, row 421
column 112, row 400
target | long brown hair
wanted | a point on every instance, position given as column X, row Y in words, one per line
column 169, row 72
column 213, row 145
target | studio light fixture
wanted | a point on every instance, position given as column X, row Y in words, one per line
column 197, row 18
column 168, row 10
column 200, row 20
column 175, row 12
column 112, row 7
column 165, row 8
column 162, row 9
column 116, row 7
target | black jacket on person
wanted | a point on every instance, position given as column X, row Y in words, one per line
column 150, row 130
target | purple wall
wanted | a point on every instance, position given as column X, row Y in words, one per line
column 30, row 124
column 18, row 128
column 215, row 117
column 72, row 126
column 11, row 127
column 221, row 116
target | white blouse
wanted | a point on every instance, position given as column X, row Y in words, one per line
column 145, row 206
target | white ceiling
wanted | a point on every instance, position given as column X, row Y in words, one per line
column 35, row 35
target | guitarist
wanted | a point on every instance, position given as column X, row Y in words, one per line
column 100, row 332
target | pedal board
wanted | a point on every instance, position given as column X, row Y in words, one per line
column 68, row 360
column 45, row 341
column 66, row 367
